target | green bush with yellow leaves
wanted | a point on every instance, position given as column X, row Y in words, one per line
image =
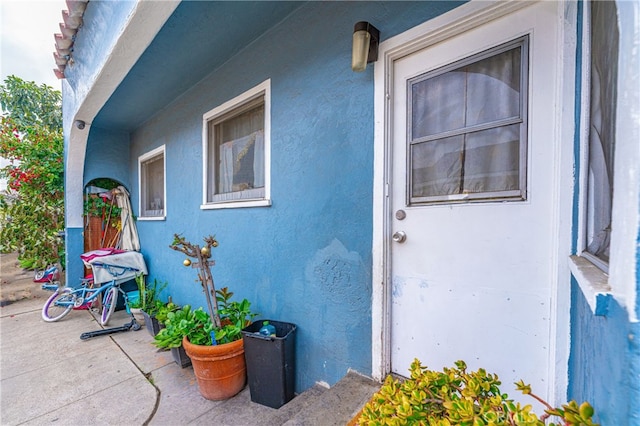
column 457, row 397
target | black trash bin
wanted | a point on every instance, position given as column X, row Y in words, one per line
column 270, row 363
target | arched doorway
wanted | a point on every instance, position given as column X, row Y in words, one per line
column 102, row 224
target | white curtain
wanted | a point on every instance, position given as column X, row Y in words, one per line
column 258, row 161
column 226, row 167
column 232, row 176
column 483, row 92
column 604, row 60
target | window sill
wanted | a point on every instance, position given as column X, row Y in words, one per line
column 593, row 283
column 236, row 204
column 150, row 218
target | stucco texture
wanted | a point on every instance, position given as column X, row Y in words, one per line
column 603, row 361
column 306, row 259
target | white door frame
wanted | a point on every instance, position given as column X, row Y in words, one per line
column 443, row 27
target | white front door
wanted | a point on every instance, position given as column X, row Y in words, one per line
column 473, row 200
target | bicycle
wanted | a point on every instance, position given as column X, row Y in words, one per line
column 110, row 268
column 64, row 299
column 50, row 275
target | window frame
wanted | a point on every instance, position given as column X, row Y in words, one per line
column 145, row 158
column 229, row 108
column 590, row 272
column 522, row 120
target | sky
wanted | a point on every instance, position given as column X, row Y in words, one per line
column 26, row 43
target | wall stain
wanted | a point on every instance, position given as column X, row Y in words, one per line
column 337, row 272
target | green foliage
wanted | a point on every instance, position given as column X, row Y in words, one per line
column 149, row 293
column 234, row 316
column 30, row 105
column 162, row 310
column 104, row 183
column 571, row 413
column 32, row 210
column 196, row 325
column 457, row 397
column 99, row 207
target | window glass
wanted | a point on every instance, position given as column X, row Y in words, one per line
column 468, row 128
column 601, row 142
column 152, row 185
column 239, row 145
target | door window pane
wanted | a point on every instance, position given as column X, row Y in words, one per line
column 491, row 160
column 484, row 161
column 436, row 167
column 468, row 128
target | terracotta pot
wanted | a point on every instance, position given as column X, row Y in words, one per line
column 220, row 370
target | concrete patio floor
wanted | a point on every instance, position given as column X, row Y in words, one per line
column 49, row 375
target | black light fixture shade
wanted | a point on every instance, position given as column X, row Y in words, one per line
column 365, row 45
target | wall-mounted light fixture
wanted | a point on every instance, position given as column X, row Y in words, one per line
column 365, row 45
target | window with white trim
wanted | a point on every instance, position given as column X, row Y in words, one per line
column 236, row 147
column 152, row 184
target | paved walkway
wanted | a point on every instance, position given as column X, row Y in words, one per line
column 48, row 375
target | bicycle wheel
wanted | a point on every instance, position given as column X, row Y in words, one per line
column 58, row 305
column 109, row 303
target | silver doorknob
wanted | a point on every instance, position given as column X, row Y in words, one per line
column 399, row 237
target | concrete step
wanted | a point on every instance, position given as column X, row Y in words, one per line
column 335, row 406
column 292, row 408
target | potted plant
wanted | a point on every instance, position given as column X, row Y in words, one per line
column 136, row 300
column 143, row 302
column 150, row 304
column 155, row 315
column 177, row 324
column 163, row 310
column 213, row 341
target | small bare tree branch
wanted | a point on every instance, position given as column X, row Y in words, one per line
column 204, row 275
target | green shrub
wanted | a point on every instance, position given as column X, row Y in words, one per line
column 456, row 397
column 149, row 293
column 162, row 310
column 32, row 207
column 196, row 324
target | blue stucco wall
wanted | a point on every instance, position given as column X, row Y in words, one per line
column 307, row 258
column 634, row 370
column 74, row 269
column 603, row 352
column 108, row 156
